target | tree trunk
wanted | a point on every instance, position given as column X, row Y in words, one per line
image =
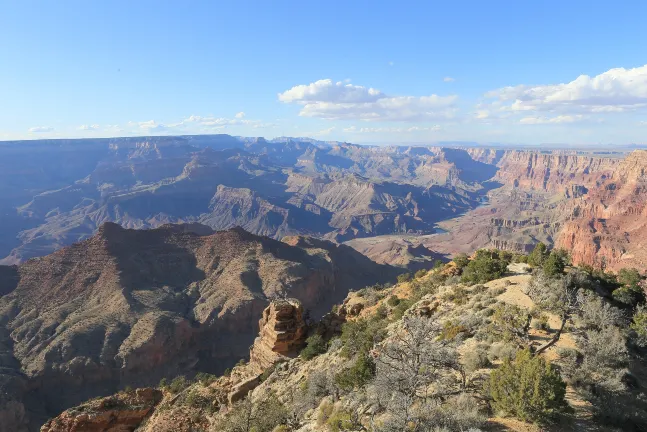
column 555, row 338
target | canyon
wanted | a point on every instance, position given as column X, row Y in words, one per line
column 129, row 307
column 130, row 260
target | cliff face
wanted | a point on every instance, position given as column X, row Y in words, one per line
column 554, row 172
column 282, row 333
column 128, row 307
column 608, row 226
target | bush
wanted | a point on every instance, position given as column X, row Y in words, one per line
column 450, row 330
column 401, row 308
column 404, row 277
column 639, row 326
column 475, row 359
column 458, row 295
column 205, row 378
column 538, row 255
column 420, row 273
column 359, row 336
column 178, row 384
column 357, row 375
column 555, row 264
column 315, row 345
column 528, row 388
column 393, row 301
column 461, row 260
column 502, row 351
column 486, row 266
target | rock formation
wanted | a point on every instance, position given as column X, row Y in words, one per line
column 607, row 227
column 129, row 307
column 282, row 334
column 122, row 412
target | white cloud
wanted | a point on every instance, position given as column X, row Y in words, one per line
column 355, row 129
column 327, row 91
column 561, row 119
column 152, row 126
column 482, row 114
column 449, row 79
column 93, row 127
column 337, row 101
column 210, row 121
column 41, row 129
column 615, row 90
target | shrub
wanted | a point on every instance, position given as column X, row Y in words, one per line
column 450, row 330
column 341, row 420
column 555, row 264
column 401, row 308
column 639, row 326
column 197, row 400
column 538, row 255
column 393, row 301
column 420, row 273
column 359, row 336
column 528, row 388
column 315, row 345
column 502, row 351
column 404, row 277
column 163, row 383
column 475, row 359
column 458, row 295
column 486, row 266
column 178, row 384
column 205, row 378
column 461, row 260
column 357, row 375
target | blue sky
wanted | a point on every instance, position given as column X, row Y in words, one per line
column 501, row 71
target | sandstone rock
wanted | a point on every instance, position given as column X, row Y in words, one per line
column 241, row 389
column 123, row 412
column 282, row 334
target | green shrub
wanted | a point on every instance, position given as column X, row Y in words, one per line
column 178, row 384
column 538, row 255
column 341, row 420
column 458, row 295
column 450, row 330
column 163, row 383
column 357, row 375
column 205, row 378
column 393, row 301
column 639, row 325
column 398, row 311
column 404, row 277
column 461, row 260
column 315, row 345
column 555, row 263
column 486, row 266
column 475, row 359
column 359, row 336
column 528, row 388
column 420, row 273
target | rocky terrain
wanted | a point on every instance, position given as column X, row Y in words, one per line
column 343, row 192
column 607, row 227
column 276, row 188
column 466, row 332
column 129, row 307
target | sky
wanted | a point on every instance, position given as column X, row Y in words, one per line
column 516, row 72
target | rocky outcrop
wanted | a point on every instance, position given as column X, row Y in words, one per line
column 282, row 334
column 554, row 172
column 123, row 412
column 607, row 227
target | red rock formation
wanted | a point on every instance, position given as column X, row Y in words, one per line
column 608, row 226
column 123, row 412
column 282, row 334
column 554, row 172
